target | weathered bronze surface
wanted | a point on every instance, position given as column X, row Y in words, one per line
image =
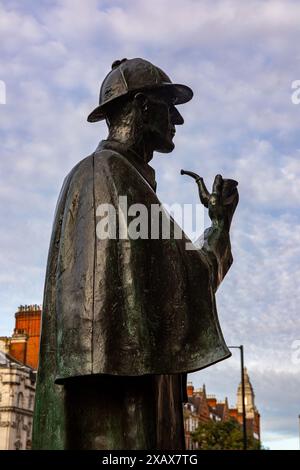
column 124, row 320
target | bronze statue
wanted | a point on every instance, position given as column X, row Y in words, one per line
column 125, row 319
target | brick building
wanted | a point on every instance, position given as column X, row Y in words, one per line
column 23, row 345
column 18, row 365
column 202, row 407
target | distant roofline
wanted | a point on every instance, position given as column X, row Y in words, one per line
column 11, row 362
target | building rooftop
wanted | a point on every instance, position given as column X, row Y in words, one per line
column 8, row 361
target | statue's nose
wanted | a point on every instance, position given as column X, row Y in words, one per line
column 176, row 117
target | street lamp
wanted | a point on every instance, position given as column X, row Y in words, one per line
column 241, row 348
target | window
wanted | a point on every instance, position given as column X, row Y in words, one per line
column 20, row 401
column 20, row 422
column 29, row 425
column 31, row 401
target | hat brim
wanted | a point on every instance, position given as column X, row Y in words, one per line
column 177, row 93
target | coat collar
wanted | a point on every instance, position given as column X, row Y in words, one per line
column 143, row 168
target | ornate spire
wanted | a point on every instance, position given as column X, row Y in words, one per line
column 249, row 396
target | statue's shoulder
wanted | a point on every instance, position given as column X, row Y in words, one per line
column 78, row 175
column 85, row 165
column 102, row 156
column 102, row 162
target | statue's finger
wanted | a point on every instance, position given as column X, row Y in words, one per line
column 203, row 192
column 217, row 186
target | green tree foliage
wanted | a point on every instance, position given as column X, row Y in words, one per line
column 222, row 435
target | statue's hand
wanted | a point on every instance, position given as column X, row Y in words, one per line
column 221, row 202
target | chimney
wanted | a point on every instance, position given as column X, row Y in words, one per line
column 190, row 389
column 26, row 338
column 18, row 345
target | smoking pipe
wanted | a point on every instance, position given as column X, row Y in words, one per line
column 228, row 188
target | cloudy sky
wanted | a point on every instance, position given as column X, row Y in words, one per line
column 240, row 58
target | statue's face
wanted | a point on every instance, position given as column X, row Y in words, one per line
column 161, row 117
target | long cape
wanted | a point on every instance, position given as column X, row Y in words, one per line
column 119, row 306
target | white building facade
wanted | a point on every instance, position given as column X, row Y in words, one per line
column 17, row 390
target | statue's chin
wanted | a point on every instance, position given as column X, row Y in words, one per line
column 167, row 147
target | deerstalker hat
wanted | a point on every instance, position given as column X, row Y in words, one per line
column 128, row 75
